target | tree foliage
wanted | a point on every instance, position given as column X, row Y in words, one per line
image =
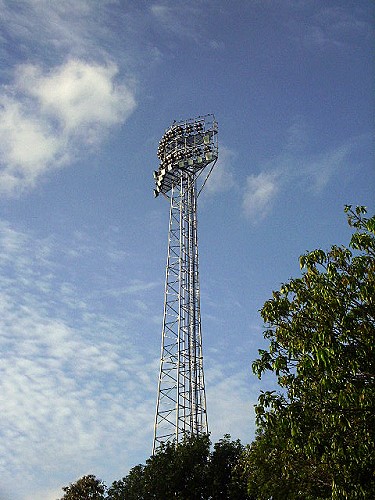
column 86, row 488
column 315, row 437
column 186, row 471
column 223, row 479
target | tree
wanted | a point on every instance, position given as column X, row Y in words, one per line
column 177, row 471
column 315, row 437
column 223, row 480
column 86, row 488
column 185, row 471
column 131, row 487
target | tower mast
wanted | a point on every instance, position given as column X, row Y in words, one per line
column 184, row 151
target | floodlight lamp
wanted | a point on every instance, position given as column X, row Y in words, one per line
column 186, row 146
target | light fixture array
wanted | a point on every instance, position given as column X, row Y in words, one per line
column 186, row 146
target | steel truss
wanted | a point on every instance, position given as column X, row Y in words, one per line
column 181, row 399
column 181, row 403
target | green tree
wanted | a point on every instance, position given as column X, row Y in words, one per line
column 131, row 487
column 186, row 471
column 315, row 437
column 174, row 472
column 86, row 488
column 223, row 481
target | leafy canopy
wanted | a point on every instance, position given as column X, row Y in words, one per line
column 315, row 437
column 184, row 471
column 86, row 488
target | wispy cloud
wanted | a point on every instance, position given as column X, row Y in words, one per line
column 324, row 26
column 73, row 28
column 43, row 114
column 230, row 401
column 73, row 385
column 259, row 195
column 135, row 287
column 222, row 176
column 184, row 21
column 176, row 19
column 310, row 171
column 294, row 167
column 334, row 26
column 321, row 168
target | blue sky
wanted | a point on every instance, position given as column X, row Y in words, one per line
column 87, row 89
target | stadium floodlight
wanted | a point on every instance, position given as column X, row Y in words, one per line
column 184, row 151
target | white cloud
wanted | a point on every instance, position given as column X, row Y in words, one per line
column 311, row 171
column 78, row 94
column 222, row 177
column 26, row 146
column 89, row 30
column 184, row 20
column 340, row 22
column 295, row 167
column 72, row 88
column 214, row 44
column 325, row 26
column 73, row 386
column 230, row 402
column 335, row 27
column 320, row 170
column 45, row 494
column 72, row 27
column 260, row 192
column 42, row 115
column 78, row 380
column 176, row 19
column 135, row 287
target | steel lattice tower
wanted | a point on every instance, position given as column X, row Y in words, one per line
column 184, row 151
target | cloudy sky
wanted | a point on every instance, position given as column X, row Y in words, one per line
column 87, row 88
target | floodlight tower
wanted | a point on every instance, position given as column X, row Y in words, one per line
column 184, row 151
